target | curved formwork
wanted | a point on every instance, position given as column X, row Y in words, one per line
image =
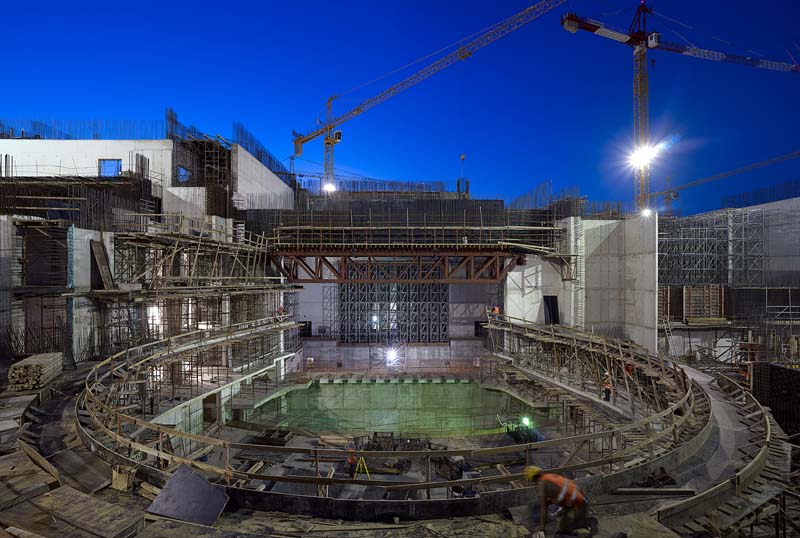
column 655, row 416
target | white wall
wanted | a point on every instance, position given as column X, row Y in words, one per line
column 526, row 285
column 641, row 280
column 261, row 189
column 621, row 261
column 32, row 157
column 310, row 306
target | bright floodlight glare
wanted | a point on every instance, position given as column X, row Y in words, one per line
column 643, row 156
column 526, row 421
column 391, row 355
column 646, row 212
column 374, row 318
column 329, row 187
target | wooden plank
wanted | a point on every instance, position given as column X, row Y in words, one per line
column 39, row 460
column 101, row 257
column 19, row 533
column 67, row 512
column 81, row 469
column 22, row 479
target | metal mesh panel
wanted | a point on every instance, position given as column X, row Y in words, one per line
column 393, row 313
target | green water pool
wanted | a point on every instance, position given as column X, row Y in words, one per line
column 428, row 408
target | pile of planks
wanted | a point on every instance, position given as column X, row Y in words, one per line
column 34, row 372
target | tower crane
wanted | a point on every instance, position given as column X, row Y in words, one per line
column 332, row 136
column 641, row 39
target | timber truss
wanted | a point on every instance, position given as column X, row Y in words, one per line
column 397, row 267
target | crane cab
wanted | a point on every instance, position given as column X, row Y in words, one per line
column 654, row 40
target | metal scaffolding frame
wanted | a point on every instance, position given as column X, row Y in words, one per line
column 388, row 312
column 723, row 247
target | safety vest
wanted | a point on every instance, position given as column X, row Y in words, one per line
column 569, row 495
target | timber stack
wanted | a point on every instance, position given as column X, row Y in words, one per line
column 34, row 372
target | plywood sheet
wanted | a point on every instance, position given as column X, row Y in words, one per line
column 187, row 496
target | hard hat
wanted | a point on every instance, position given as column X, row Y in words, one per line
column 532, row 472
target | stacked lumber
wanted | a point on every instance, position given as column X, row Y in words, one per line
column 34, row 372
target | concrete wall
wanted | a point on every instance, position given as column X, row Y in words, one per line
column 468, row 303
column 186, row 201
column 6, row 262
column 621, row 278
column 641, row 280
column 259, row 187
column 526, row 285
column 79, row 157
column 310, row 306
column 80, row 257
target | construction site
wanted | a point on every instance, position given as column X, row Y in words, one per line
column 197, row 339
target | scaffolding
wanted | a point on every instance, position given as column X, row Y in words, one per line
column 723, row 247
column 393, row 313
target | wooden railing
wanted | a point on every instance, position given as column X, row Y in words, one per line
column 111, row 423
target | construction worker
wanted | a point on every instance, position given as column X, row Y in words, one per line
column 556, row 489
column 496, row 312
column 352, row 463
column 607, row 384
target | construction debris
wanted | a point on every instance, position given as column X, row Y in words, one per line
column 68, row 512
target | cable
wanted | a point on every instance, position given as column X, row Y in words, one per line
column 418, row 60
column 712, row 36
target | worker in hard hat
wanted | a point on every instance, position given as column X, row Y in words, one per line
column 607, row 385
column 556, row 489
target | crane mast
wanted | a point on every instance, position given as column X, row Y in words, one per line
column 328, row 131
column 641, row 113
column 640, row 39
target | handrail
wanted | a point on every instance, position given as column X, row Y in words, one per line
column 103, row 415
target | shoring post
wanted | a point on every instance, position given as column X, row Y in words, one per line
column 227, row 464
column 316, row 463
column 428, row 474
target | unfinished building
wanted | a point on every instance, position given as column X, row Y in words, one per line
column 383, row 350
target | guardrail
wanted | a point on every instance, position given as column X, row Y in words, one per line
column 736, row 484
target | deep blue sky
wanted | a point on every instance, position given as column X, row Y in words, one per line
column 539, row 104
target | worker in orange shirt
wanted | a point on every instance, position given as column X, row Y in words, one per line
column 352, row 463
column 556, row 489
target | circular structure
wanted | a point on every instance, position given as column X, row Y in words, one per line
column 656, row 416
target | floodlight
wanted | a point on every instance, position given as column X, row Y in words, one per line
column 643, row 156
